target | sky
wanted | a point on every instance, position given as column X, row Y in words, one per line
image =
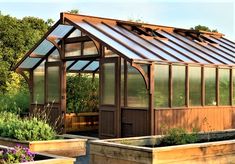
column 216, row 14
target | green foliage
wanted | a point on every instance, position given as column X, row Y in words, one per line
column 73, row 11
column 17, row 36
column 17, row 155
column 15, row 103
column 178, row 136
column 82, row 94
column 24, row 129
column 203, row 28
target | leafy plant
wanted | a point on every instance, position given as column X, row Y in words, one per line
column 25, row 129
column 82, row 94
column 17, row 155
column 179, row 136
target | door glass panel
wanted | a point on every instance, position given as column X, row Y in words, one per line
column 108, row 89
column 210, row 86
column 53, row 84
column 38, row 84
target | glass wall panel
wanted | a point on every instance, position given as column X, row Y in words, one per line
column 210, row 86
column 224, row 86
column 54, row 56
column 72, row 49
column 161, row 86
column 38, row 84
column 89, row 48
column 195, row 86
column 234, row 87
column 53, row 84
column 122, row 82
column 108, row 89
column 137, row 94
column 178, row 79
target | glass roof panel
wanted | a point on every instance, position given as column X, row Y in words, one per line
column 79, row 65
column 93, row 66
column 203, row 49
column 44, row 47
column 189, row 47
column 224, row 49
column 128, row 42
column 75, row 33
column 68, row 63
column 123, row 50
column 29, row 62
column 222, row 44
column 175, row 53
column 216, row 49
column 145, row 44
column 60, row 31
column 228, row 42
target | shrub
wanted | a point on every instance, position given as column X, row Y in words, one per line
column 82, row 94
column 179, row 136
column 15, row 103
column 25, row 129
column 17, row 155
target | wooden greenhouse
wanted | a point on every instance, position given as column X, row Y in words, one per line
column 150, row 77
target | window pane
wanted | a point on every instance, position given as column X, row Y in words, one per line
column 122, row 82
column 53, row 84
column 108, row 89
column 224, row 87
column 161, row 88
column 137, row 95
column 234, row 87
column 73, row 49
column 38, row 84
column 178, row 78
column 194, row 86
column 210, row 86
column 90, row 48
column 54, row 56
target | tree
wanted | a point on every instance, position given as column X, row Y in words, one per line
column 74, row 11
column 203, row 28
column 17, row 36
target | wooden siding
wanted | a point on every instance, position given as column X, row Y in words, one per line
column 134, row 122
column 202, row 118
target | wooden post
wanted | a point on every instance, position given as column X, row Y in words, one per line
column 151, row 99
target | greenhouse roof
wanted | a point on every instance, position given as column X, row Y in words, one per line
column 135, row 42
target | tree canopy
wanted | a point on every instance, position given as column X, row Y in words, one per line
column 17, row 36
column 203, row 28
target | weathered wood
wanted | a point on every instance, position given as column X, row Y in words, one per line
column 133, row 151
column 63, row 147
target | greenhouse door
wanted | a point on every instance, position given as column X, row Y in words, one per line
column 53, row 94
column 109, row 112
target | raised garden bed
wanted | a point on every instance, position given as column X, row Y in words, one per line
column 137, row 150
column 76, row 122
column 63, row 147
column 44, row 158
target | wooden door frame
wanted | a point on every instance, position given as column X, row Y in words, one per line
column 117, row 104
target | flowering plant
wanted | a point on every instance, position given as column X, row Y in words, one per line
column 17, row 155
